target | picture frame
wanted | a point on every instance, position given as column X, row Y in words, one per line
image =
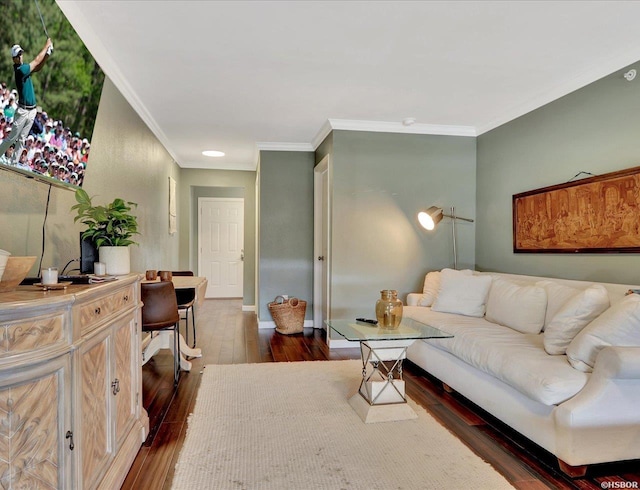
column 599, row 214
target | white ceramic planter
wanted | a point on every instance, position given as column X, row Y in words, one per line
column 116, row 259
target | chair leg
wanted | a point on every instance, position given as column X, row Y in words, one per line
column 186, row 327
column 176, row 354
column 193, row 324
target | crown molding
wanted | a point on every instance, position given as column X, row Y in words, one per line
column 101, row 54
column 373, row 126
column 398, row 127
column 602, row 69
column 322, row 134
column 275, row 146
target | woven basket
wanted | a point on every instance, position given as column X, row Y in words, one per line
column 288, row 315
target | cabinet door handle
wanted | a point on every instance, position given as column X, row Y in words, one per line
column 69, row 435
column 115, row 386
column 97, row 310
column 126, row 298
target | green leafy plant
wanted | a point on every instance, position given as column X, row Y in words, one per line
column 110, row 225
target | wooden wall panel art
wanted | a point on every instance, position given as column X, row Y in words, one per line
column 598, row 214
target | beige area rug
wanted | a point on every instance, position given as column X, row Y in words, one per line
column 289, row 426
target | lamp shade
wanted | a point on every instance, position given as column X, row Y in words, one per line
column 430, row 218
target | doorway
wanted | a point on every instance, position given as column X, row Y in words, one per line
column 321, row 269
column 221, row 245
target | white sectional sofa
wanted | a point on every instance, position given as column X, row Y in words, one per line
column 582, row 401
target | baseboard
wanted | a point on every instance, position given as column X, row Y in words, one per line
column 248, row 307
column 272, row 324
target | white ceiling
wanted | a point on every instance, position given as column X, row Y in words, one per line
column 238, row 76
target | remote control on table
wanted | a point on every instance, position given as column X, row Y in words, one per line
column 367, row 320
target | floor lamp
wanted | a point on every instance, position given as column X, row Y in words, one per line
column 430, row 218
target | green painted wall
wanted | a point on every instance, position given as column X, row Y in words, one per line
column 595, row 129
column 196, row 183
column 380, row 181
column 285, row 255
column 126, row 161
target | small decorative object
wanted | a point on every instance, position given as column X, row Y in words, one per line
column 99, row 268
column 288, row 315
column 110, row 228
column 165, row 276
column 151, row 275
column 389, row 309
column 49, row 276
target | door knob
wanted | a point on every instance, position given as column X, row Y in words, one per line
column 321, row 257
column 242, row 254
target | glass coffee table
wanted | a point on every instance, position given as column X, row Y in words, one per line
column 381, row 396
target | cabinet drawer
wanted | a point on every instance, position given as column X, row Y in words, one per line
column 96, row 312
column 30, row 335
column 123, row 299
column 92, row 313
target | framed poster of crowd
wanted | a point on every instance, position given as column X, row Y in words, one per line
column 598, row 214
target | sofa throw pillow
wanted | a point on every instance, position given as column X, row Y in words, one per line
column 576, row 314
column 519, row 307
column 462, row 294
column 430, row 288
column 432, row 285
column 619, row 325
column 557, row 297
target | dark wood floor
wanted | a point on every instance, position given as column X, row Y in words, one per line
column 229, row 336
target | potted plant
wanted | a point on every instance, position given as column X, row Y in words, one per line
column 110, row 228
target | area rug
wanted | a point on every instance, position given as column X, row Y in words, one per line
column 289, row 426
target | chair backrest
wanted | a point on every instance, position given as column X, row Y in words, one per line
column 185, row 295
column 160, row 307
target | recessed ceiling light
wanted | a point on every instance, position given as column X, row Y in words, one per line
column 213, row 153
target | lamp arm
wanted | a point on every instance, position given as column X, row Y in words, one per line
column 452, row 216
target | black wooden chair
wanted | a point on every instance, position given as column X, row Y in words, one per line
column 186, row 301
column 159, row 313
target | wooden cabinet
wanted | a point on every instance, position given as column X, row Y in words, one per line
column 108, row 392
column 35, row 414
column 70, row 386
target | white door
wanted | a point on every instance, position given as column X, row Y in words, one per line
column 321, row 246
column 221, row 245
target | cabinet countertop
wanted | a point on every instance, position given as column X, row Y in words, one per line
column 30, row 296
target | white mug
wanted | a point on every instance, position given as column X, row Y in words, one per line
column 50, row 275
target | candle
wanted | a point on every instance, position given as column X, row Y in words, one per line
column 50, row 275
column 99, row 268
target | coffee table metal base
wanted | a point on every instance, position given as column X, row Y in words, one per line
column 381, row 395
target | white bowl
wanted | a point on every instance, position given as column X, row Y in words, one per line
column 4, row 256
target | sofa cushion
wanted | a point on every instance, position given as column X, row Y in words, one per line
column 557, row 297
column 462, row 294
column 576, row 314
column 432, row 285
column 519, row 307
column 430, row 288
column 516, row 359
column 619, row 325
